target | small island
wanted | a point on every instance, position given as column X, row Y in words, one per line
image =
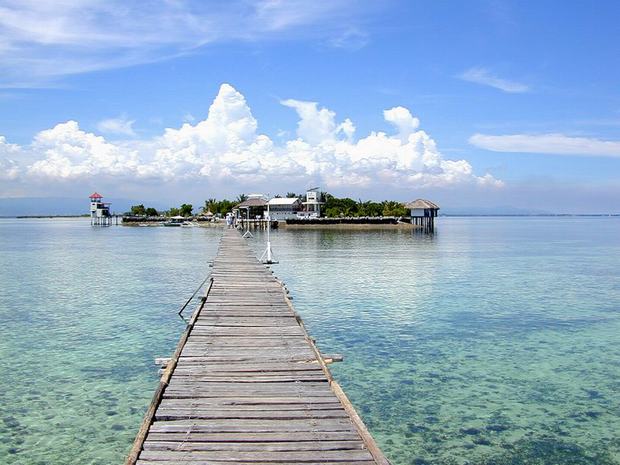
column 312, row 210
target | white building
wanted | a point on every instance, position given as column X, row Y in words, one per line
column 254, row 207
column 422, row 208
column 99, row 211
column 313, row 203
column 423, row 213
column 281, row 208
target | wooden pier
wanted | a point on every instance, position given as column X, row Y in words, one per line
column 245, row 223
column 247, row 385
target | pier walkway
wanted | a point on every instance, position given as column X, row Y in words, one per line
column 247, row 385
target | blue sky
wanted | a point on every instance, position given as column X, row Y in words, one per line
column 488, row 102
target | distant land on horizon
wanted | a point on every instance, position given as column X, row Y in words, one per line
column 59, row 206
column 65, row 206
column 499, row 210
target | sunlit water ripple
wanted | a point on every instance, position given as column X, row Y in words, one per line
column 495, row 341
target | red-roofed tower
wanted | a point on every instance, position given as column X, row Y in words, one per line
column 99, row 211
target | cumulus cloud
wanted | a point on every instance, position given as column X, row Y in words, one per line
column 227, row 147
column 318, row 125
column 558, row 144
column 9, row 169
column 69, row 153
column 121, row 125
column 486, row 78
column 403, row 120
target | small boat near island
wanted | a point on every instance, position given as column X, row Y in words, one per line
column 175, row 221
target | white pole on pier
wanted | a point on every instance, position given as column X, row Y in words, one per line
column 247, row 223
column 267, row 256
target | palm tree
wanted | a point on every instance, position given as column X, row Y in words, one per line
column 210, row 205
column 241, row 198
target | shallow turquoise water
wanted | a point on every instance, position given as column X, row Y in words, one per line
column 84, row 313
column 495, row 341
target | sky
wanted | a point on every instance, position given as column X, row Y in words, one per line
column 475, row 104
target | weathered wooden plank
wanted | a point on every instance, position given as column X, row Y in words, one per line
column 285, row 457
column 192, row 413
column 259, row 447
column 212, row 306
column 188, row 366
column 240, row 401
column 236, row 407
column 193, row 391
column 234, row 462
column 249, row 331
column 202, row 374
column 252, row 425
column 245, row 320
column 251, row 359
column 255, row 378
column 229, row 437
column 274, row 398
column 206, row 343
column 245, row 323
column 187, row 392
column 257, row 353
column 201, row 341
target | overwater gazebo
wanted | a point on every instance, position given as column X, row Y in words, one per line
column 255, row 206
column 423, row 213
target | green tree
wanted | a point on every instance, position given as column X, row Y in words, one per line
column 370, row 209
column 332, row 212
column 138, row 210
column 151, row 212
column 337, row 207
column 292, row 195
column 241, row 198
column 186, row 209
column 219, row 206
column 226, row 206
column 392, row 208
column 174, row 211
column 210, row 205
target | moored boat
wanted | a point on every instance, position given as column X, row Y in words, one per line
column 175, row 221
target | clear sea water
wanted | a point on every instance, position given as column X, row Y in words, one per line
column 494, row 341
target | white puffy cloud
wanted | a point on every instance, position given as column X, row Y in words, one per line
column 558, row 144
column 121, row 125
column 9, row 169
column 225, row 144
column 68, row 153
column 316, row 125
column 227, row 147
column 403, row 120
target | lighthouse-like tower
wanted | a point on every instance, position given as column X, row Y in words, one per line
column 314, row 200
column 99, row 211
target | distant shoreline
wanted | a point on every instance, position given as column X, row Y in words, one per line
column 463, row 215
column 25, row 217
column 541, row 215
column 350, row 226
